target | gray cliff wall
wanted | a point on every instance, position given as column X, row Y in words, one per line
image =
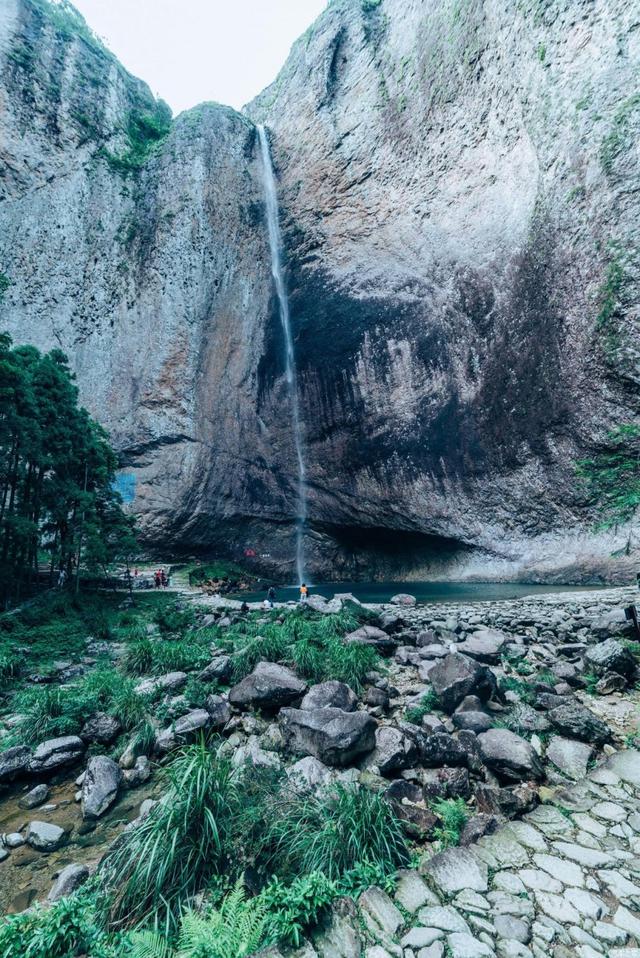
column 457, row 181
column 461, row 227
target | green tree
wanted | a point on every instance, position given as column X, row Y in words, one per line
column 57, row 472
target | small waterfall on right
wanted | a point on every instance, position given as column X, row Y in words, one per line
column 275, row 247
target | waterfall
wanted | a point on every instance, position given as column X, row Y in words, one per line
column 275, row 247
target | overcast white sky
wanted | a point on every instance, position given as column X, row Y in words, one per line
column 194, row 50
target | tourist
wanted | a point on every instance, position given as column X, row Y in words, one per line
column 271, row 596
column 304, row 593
column 163, row 579
column 157, row 579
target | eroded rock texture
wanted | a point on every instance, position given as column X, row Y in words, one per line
column 460, row 218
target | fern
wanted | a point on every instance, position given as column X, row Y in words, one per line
column 149, row 944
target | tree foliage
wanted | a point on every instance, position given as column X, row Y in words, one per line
column 56, row 472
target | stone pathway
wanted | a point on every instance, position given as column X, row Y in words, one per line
column 564, row 882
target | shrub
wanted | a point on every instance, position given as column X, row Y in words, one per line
column 294, row 907
column 334, row 830
column 158, row 867
column 66, row 928
column 174, row 618
column 453, row 813
column 138, row 657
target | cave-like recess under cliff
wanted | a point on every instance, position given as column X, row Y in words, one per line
column 460, row 246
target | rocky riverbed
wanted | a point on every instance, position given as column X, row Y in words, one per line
column 524, row 712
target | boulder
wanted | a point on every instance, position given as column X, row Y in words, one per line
column 56, row 753
column 440, row 749
column 456, row 676
column 14, row 762
column 269, row 687
column 100, row 786
column 218, row 709
column 330, row 694
column 139, row 774
column 454, row 870
column 485, row 646
column 101, row 728
column 569, row 756
column 403, row 598
column 37, row 795
column 418, row 821
column 370, row 635
column 309, row 773
column 575, row 721
column 611, row 682
column 69, row 879
column 44, row 837
column 253, row 753
column 334, row 737
column 508, row 755
column 471, row 715
column 219, row 669
column 169, row 682
column 182, row 729
column 394, row 750
column 610, row 656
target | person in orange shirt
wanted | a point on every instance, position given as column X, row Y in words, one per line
column 304, row 593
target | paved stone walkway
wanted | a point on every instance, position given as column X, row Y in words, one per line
column 564, row 882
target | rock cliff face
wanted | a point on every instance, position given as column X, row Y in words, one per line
column 458, row 188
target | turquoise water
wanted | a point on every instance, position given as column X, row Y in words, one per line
column 424, row 591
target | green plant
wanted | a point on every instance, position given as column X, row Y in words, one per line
column 174, row 618
column 334, row 830
column 144, row 130
column 590, row 682
column 509, row 683
column 5, row 283
column 427, row 704
column 542, row 52
column 138, row 657
column 68, row 927
column 234, row 930
column 453, row 813
column 616, row 140
column 173, row 853
column 612, row 478
column 294, row 907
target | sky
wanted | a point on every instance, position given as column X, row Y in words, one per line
column 194, row 50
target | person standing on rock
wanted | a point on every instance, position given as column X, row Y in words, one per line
column 304, row 593
column 271, row 596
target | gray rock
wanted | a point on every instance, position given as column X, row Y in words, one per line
column 182, row 729
column 569, row 756
column 456, row 676
column 56, row 753
column 309, row 773
column 269, row 687
column 576, row 721
column 485, row 645
column 13, row 840
column 220, row 669
column 610, row 656
column 101, row 728
column 37, row 795
column 509, row 756
column 139, row 774
column 100, row 786
column 455, row 869
column 169, row 682
column 440, row 749
column 334, row 737
column 393, row 752
column 218, row 709
column 370, row 635
column 330, row 694
column 14, row 761
column 462, row 945
column 68, row 881
column 44, row 837
column 379, row 913
column 403, row 598
column 510, row 926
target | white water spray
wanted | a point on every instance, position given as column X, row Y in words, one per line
column 275, row 246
